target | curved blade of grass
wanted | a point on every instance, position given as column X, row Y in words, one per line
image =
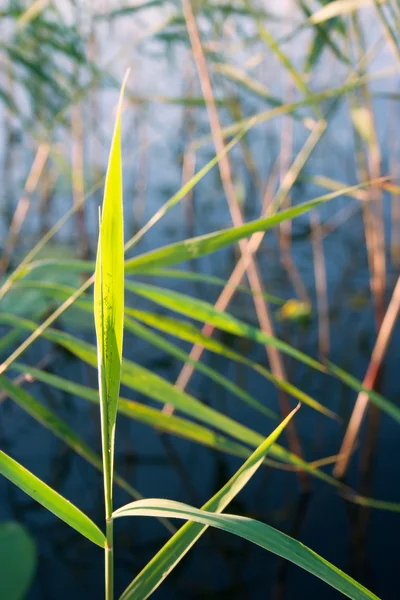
column 50, row 499
column 200, row 310
column 188, row 332
column 82, row 349
column 87, row 267
column 175, row 549
column 258, row 533
column 159, row 342
column 206, row 244
column 49, row 419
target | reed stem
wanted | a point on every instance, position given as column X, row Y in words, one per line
column 109, row 560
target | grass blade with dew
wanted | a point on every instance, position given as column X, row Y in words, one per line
column 109, row 322
column 50, row 499
column 175, row 549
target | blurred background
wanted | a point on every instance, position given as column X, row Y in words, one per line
column 326, row 87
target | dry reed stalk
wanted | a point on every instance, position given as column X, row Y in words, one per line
column 285, row 228
column 275, row 359
column 320, row 287
column 369, row 380
column 78, row 180
column 24, row 203
column 139, row 195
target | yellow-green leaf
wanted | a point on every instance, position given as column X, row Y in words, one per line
column 109, row 299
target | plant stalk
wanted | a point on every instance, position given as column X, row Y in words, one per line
column 109, row 560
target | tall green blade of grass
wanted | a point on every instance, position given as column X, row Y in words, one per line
column 256, row 532
column 109, row 319
column 175, row 549
column 50, row 499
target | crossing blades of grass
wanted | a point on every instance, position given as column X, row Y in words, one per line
column 175, row 549
column 256, row 532
column 139, row 412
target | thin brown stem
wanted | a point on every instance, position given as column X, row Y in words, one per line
column 370, row 378
column 275, row 359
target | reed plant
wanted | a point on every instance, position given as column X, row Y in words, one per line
column 61, row 288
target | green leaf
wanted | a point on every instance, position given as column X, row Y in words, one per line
column 109, row 301
column 190, row 333
column 206, row 244
column 49, row 419
column 143, row 414
column 17, row 561
column 159, row 342
column 175, row 549
column 256, row 532
column 157, row 388
column 211, row 242
column 50, row 499
column 209, row 279
column 207, row 313
column 56, row 425
column 63, row 292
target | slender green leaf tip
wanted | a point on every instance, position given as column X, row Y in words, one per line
column 109, row 299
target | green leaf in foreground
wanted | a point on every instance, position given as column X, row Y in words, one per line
column 256, row 532
column 175, row 549
column 50, row 499
column 109, row 302
column 17, row 561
